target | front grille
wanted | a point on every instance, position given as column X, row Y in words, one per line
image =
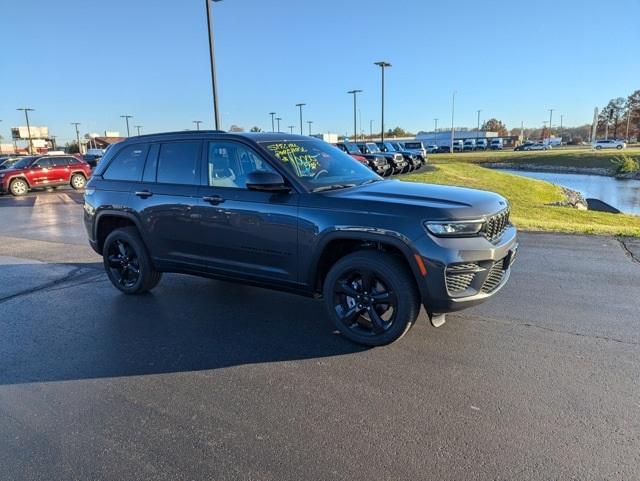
column 494, row 277
column 459, row 277
column 496, row 225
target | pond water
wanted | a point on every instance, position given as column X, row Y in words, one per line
column 624, row 195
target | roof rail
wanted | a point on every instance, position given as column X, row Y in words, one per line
column 181, row 132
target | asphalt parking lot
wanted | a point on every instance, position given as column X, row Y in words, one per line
column 207, row 380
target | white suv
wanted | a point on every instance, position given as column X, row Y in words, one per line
column 609, row 144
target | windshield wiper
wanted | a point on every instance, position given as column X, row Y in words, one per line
column 324, row 188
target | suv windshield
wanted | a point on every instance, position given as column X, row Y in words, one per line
column 412, row 145
column 352, row 149
column 373, row 148
column 319, row 165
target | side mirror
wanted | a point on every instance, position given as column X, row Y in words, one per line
column 262, row 180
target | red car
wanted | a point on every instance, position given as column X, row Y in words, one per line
column 44, row 171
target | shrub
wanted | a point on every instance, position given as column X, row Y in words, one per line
column 626, row 164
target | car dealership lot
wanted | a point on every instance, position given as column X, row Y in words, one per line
column 203, row 379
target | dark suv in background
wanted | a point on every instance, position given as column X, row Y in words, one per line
column 295, row 213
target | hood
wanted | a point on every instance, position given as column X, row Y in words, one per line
column 435, row 201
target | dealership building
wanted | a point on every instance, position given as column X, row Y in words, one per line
column 442, row 137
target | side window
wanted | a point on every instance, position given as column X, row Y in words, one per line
column 128, row 164
column 45, row 163
column 229, row 164
column 178, row 163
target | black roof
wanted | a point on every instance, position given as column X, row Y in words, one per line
column 255, row 136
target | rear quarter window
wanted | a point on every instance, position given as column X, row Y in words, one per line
column 127, row 164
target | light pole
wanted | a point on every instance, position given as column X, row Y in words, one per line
column 138, row 127
column 382, row 66
column 626, row 136
column 26, row 111
column 435, row 131
column 453, row 112
column 291, row 127
column 478, row 130
column 214, row 83
column 273, row 127
column 309, row 122
column 197, row 122
column 550, row 124
column 278, row 119
column 300, row 107
column 127, row 117
column 75, row 124
column 355, row 131
column 370, row 129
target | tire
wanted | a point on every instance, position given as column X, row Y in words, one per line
column 18, row 187
column 127, row 262
column 78, row 181
column 598, row 147
column 619, row 147
column 354, row 291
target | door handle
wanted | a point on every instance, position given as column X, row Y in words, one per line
column 213, row 199
column 144, row 194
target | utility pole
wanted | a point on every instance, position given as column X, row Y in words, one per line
column 522, row 130
column 370, row 129
column 478, row 130
column 127, row 117
column 309, row 122
column 214, row 83
column 138, row 127
column 26, row 111
column 278, row 119
column 355, row 130
column 273, row 127
column 382, row 66
column 300, row 107
column 197, row 122
column 561, row 120
column 435, row 132
column 291, row 127
column 453, row 112
column 75, row 124
column 550, row 124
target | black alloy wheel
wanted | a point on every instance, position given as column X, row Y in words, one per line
column 124, row 264
column 371, row 297
column 364, row 303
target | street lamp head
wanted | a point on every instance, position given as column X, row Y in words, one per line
column 354, row 91
column 26, row 109
column 300, row 105
column 382, row 64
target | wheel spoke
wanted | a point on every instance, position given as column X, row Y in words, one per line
column 121, row 248
column 384, row 298
column 133, row 269
column 114, row 261
column 344, row 287
column 377, row 323
column 349, row 316
column 367, row 280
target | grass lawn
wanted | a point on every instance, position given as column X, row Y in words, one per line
column 528, row 198
column 559, row 157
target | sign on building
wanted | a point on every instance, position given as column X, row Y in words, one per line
column 22, row 132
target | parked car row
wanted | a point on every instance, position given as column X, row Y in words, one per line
column 385, row 158
column 19, row 175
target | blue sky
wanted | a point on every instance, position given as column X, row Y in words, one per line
column 90, row 62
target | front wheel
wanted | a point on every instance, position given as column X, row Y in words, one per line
column 371, row 297
column 127, row 262
column 619, row 147
column 18, row 187
column 598, row 147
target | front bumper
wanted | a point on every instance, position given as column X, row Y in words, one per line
column 463, row 272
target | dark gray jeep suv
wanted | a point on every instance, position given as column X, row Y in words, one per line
column 295, row 213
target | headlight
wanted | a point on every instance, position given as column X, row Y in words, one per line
column 455, row 228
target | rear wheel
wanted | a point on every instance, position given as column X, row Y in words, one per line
column 371, row 297
column 127, row 262
column 598, row 147
column 619, row 147
column 78, row 181
column 18, row 187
